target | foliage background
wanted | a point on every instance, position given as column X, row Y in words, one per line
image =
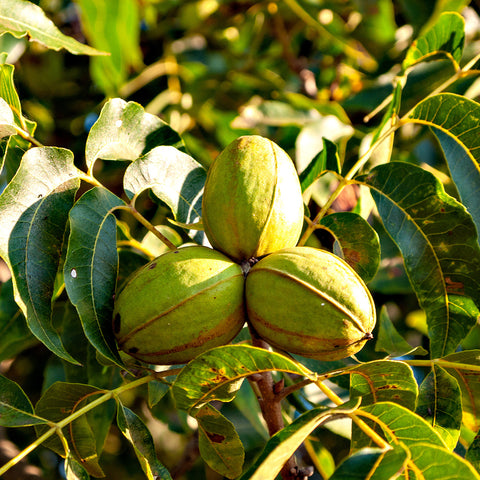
column 292, row 71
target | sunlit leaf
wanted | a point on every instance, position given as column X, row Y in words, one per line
column 219, row 443
column 141, row 439
column 91, row 266
column 15, row 407
column 383, row 381
column 34, row 211
column 326, row 160
column 440, row 403
column 437, row 463
column 173, row 176
column 114, row 27
column 464, row 367
column 445, row 38
column 356, row 242
column 218, row 373
column 58, row 402
column 7, row 120
column 124, row 131
column 74, row 471
column 454, row 119
column 20, row 18
column 439, row 245
column 390, row 341
column 284, row 443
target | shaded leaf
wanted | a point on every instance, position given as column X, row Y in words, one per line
column 91, row 266
column 326, row 160
column 439, row 245
column 454, row 119
column 20, row 18
column 141, row 439
column 74, row 471
column 219, row 443
column 60, row 401
column 473, row 453
column 284, row 443
column 34, row 211
column 383, row 380
column 173, row 176
column 15, row 407
column 437, row 463
column 457, row 364
column 124, row 131
column 440, row 403
column 15, row 335
column 390, row 341
column 356, row 242
column 218, row 373
column 445, row 38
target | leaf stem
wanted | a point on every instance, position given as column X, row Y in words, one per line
column 56, row 427
column 442, row 363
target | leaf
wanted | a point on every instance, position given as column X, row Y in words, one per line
column 372, row 463
column 91, row 266
column 15, row 336
column 15, row 407
column 7, row 120
column 60, row 401
column 34, row 211
column 217, row 374
column 173, row 176
column 283, row 444
column 454, row 119
column 440, row 403
column 74, row 471
column 124, row 131
column 437, row 463
column 326, row 160
column 445, row 38
column 141, row 439
column 219, row 443
column 400, row 424
column 114, row 27
column 473, row 453
column 383, row 380
column 464, row 367
column 356, row 242
column 439, row 246
column 390, row 341
column 20, row 18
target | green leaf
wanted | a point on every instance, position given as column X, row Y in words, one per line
column 356, row 242
column 73, row 470
column 219, row 443
column 173, row 176
column 60, row 401
column 383, row 380
column 439, row 246
column 284, row 443
column 34, row 211
column 124, row 131
column 326, row 160
column 91, row 266
column 464, row 367
column 15, row 407
column 455, row 121
column 141, row 439
column 445, row 38
column 218, row 373
column 114, row 27
column 390, row 341
column 20, row 18
column 437, row 463
column 372, row 463
column 400, row 424
column 473, row 452
column 7, row 120
column 15, row 336
column 440, row 403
